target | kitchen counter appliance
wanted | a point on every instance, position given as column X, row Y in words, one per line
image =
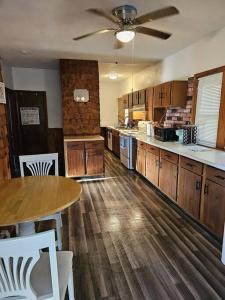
column 165, row 134
column 128, row 147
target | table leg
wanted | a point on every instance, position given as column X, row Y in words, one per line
column 26, row 228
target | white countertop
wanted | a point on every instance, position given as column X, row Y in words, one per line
column 208, row 156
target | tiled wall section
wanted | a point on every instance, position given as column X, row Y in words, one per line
column 80, row 118
column 4, row 149
column 180, row 116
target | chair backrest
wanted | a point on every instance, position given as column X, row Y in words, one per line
column 18, row 257
column 40, row 164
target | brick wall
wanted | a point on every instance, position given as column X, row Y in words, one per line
column 180, row 116
column 4, row 149
column 80, row 118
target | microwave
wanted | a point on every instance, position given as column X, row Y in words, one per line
column 165, row 134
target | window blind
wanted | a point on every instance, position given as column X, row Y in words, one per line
column 207, row 109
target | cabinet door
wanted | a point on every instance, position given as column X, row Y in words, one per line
column 135, row 98
column 140, row 166
column 166, row 94
column 152, row 168
column 213, row 214
column 130, row 100
column 125, row 101
column 189, row 192
column 149, row 103
column 94, row 161
column 116, row 142
column 75, row 163
column 168, row 178
column 178, row 93
column 142, row 97
column 157, row 96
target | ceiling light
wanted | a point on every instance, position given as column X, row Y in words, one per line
column 113, row 75
column 125, row 36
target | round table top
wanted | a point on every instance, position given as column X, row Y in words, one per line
column 33, row 197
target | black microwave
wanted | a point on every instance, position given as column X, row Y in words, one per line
column 165, row 134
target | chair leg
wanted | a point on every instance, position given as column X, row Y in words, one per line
column 59, row 234
column 71, row 286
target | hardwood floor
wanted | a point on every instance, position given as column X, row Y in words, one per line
column 128, row 243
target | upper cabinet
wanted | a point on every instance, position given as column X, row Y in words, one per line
column 149, row 103
column 135, row 98
column 170, row 94
column 130, row 100
column 142, row 97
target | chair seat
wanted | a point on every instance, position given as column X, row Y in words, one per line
column 41, row 276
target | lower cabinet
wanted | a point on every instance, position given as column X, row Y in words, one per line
column 140, row 164
column 116, row 142
column 168, row 178
column 189, row 192
column 152, row 168
column 213, row 215
column 84, row 158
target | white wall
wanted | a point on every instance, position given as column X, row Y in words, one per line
column 7, row 74
column 109, row 92
column 42, row 80
column 206, row 54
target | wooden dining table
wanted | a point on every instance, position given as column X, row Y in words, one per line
column 25, row 200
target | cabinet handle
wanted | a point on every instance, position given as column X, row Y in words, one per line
column 219, row 177
column 86, row 158
column 190, row 165
column 206, row 189
column 197, row 185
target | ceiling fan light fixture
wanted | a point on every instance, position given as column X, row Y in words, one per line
column 125, row 36
column 113, row 75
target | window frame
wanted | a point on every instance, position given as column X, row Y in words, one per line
column 220, row 140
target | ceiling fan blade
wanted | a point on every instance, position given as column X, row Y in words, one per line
column 93, row 33
column 118, row 44
column 104, row 14
column 157, row 14
column 153, row 32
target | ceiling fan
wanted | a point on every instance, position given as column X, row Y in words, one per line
column 127, row 24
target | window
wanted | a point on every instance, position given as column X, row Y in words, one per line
column 208, row 109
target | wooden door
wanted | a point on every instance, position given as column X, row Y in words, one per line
column 149, row 103
column 166, row 94
column 213, row 215
column 135, row 98
column 157, row 102
column 32, row 122
column 142, row 97
column 75, row 161
column 94, row 161
column 189, row 192
column 152, row 168
column 168, row 178
column 130, row 100
column 140, row 164
column 179, row 93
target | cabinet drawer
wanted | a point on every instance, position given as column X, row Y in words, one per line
column 191, row 165
column 75, row 145
column 141, row 145
column 152, row 149
column 215, row 175
column 94, row 145
column 169, row 156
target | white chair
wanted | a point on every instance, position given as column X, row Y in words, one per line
column 28, row 273
column 40, row 165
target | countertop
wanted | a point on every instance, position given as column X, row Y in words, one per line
column 82, row 138
column 208, row 156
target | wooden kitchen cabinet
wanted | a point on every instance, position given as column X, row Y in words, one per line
column 140, row 163
column 149, row 103
column 84, row 158
column 152, row 168
column 170, row 94
column 125, row 101
column 189, row 192
column 116, row 142
column 142, row 97
column 75, row 159
column 168, row 178
column 130, row 100
column 135, row 98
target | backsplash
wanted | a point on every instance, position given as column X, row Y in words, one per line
column 180, row 116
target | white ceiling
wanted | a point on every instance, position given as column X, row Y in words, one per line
column 45, row 29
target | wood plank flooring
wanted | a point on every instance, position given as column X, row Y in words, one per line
column 128, row 243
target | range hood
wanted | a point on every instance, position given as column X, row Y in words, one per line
column 139, row 107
